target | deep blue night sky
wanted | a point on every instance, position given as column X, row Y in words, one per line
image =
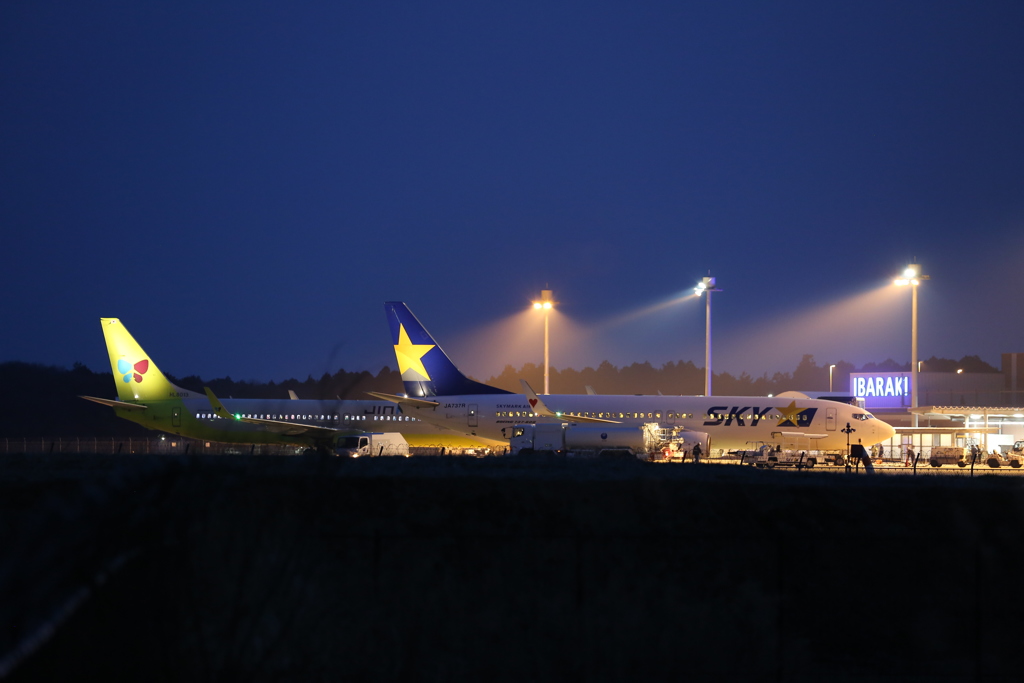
column 245, row 184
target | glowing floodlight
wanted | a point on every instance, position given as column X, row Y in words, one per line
column 545, row 304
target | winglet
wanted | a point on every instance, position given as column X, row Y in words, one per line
column 534, row 400
column 218, row 407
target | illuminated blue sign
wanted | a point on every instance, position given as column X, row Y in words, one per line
column 881, row 389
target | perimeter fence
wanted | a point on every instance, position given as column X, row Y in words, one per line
column 177, row 446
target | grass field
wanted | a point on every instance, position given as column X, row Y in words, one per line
column 270, row 568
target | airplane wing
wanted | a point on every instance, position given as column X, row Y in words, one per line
column 405, row 400
column 541, row 409
column 803, row 435
column 115, row 403
column 276, row 426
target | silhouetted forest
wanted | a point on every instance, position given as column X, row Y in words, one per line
column 41, row 400
column 683, row 377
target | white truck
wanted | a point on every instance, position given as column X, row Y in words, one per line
column 372, row 443
column 644, row 442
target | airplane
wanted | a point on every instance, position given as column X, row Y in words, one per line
column 146, row 396
column 437, row 391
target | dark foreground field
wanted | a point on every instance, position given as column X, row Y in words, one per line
column 270, row 568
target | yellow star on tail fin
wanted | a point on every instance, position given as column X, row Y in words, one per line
column 410, row 358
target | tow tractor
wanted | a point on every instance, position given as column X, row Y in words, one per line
column 1015, row 458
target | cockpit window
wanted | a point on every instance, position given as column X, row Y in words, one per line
column 863, row 416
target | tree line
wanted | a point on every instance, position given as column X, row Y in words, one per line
column 42, row 400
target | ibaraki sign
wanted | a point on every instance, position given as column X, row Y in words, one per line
column 881, row 389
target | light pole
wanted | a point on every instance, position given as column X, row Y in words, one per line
column 912, row 277
column 545, row 304
column 706, row 286
column 830, row 369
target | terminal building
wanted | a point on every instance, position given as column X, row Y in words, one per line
column 954, row 409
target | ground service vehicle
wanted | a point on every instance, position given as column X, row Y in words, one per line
column 1014, row 458
column 949, row 455
column 374, row 443
column 789, row 450
column 643, row 442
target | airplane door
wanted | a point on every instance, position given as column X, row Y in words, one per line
column 830, row 419
column 175, row 417
column 471, row 414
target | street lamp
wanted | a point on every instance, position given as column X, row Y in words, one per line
column 830, row 369
column 912, row 277
column 545, row 304
column 707, row 285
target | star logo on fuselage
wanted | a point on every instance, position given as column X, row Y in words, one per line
column 410, row 357
column 790, row 415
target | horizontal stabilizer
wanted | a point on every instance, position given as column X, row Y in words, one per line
column 115, row 403
column 404, row 400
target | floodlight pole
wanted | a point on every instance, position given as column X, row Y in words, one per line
column 707, row 347
column 912, row 276
column 706, row 286
column 547, row 354
column 913, row 355
column 830, row 369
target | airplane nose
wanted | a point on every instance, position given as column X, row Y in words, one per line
column 887, row 431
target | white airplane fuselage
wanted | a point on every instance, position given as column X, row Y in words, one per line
column 731, row 422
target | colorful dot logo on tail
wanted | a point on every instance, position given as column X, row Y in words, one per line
column 131, row 372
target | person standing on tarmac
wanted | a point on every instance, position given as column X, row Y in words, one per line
column 910, row 456
column 696, row 453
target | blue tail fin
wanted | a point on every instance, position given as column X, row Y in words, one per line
column 426, row 369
